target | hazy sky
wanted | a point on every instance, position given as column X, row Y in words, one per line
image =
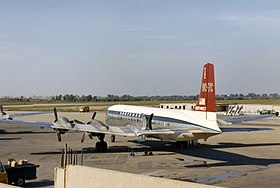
column 138, row 47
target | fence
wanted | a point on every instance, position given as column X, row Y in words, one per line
column 70, row 157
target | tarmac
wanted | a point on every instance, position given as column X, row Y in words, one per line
column 248, row 157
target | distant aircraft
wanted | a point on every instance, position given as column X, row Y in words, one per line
column 184, row 127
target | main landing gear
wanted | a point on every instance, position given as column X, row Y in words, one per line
column 186, row 144
column 101, row 146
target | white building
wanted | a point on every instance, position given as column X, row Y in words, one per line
column 245, row 108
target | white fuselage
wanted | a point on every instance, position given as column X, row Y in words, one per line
column 186, row 125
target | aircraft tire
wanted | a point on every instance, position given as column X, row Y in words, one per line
column 98, row 147
column 104, row 146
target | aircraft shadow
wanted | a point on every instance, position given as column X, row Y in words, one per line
column 261, row 124
column 2, row 131
column 228, row 158
column 42, row 183
column 88, row 150
column 237, row 145
column 47, row 153
column 213, row 152
column 243, row 129
column 207, row 152
column 10, row 139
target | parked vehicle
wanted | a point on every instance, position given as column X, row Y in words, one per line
column 17, row 173
column 84, row 109
column 269, row 112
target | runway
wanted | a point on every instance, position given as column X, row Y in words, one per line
column 248, row 158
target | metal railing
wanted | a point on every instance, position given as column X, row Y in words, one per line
column 70, row 157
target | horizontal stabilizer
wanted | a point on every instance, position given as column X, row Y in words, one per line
column 242, row 119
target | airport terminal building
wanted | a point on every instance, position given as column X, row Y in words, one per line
column 227, row 109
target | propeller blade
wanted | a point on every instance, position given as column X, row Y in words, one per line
column 150, row 121
column 93, row 115
column 113, row 138
column 90, row 135
column 58, row 136
column 2, row 110
column 55, row 115
column 83, row 137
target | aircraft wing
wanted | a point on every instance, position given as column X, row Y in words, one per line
column 242, row 119
column 128, row 130
column 27, row 114
column 32, row 123
column 96, row 128
column 41, row 124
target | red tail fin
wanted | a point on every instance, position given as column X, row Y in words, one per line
column 207, row 98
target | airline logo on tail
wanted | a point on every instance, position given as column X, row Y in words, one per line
column 207, row 98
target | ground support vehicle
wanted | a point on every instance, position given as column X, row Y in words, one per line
column 84, row 109
column 269, row 112
column 17, row 173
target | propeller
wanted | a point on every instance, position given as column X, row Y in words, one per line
column 2, row 110
column 89, row 134
column 55, row 115
column 92, row 118
column 93, row 115
column 58, row 133
column 149, row 122
column 58, row 136
column 84, row 136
